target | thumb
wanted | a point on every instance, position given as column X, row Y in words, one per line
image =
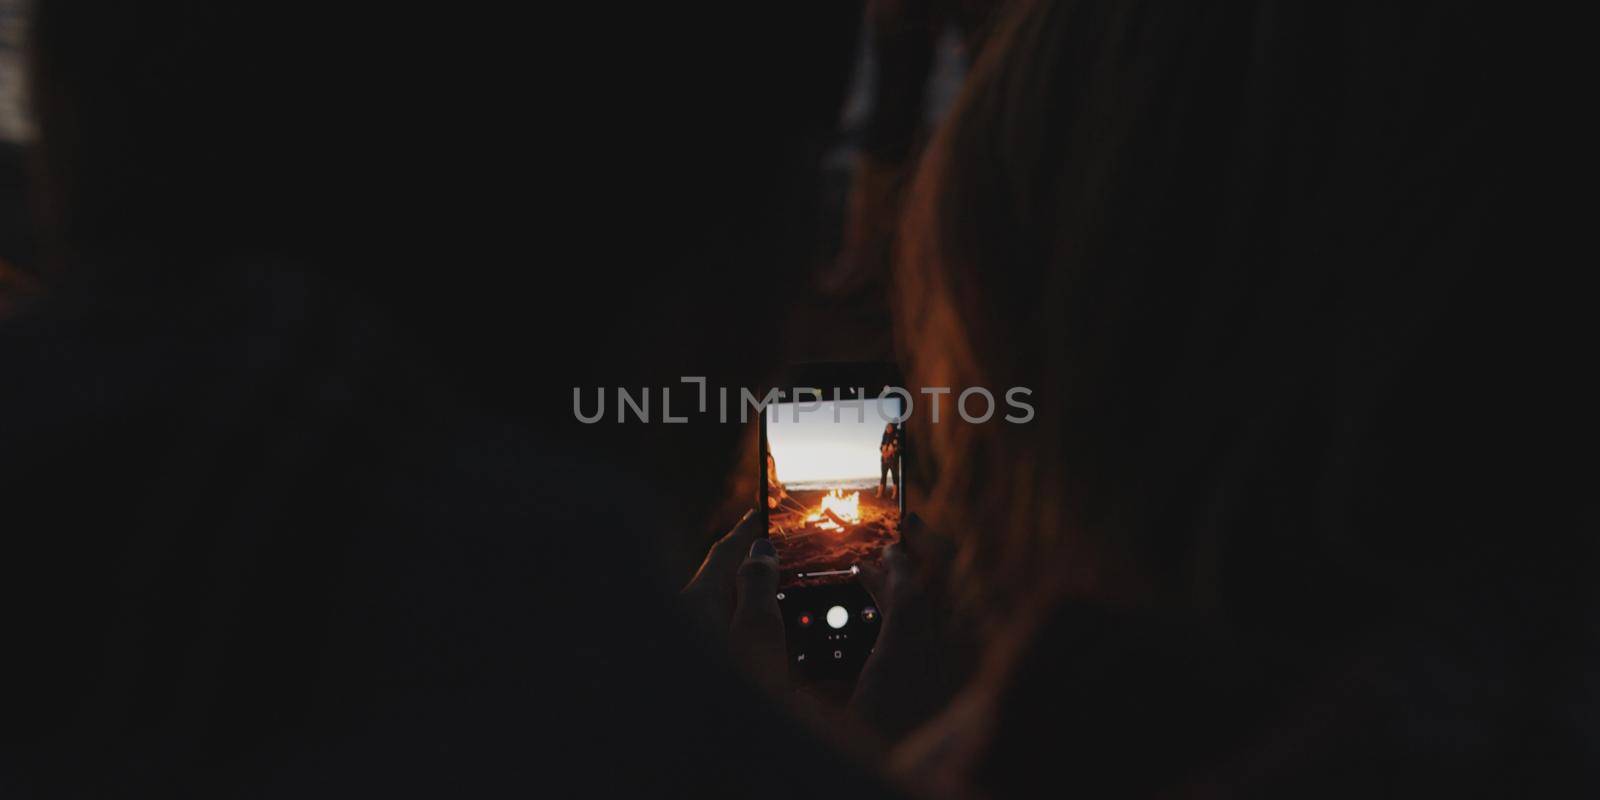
column 883, row 582
column 758, row 583
column 757, row 629
column 875, row 580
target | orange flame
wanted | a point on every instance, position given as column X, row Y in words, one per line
column 836, row 505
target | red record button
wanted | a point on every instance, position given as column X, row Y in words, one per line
column 805, row 620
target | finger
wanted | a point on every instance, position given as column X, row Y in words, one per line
column 912, row 529
column 758, row 583
column 876, row 582
column 898, row 579
column 925, row 542
column 745, row 530
column 882, row 582
column 730, row 550
column 757, row 631
column 723, row 559
column 896, row 565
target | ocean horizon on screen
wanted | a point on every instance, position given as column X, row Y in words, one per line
column 812, row 450
column 863, row 482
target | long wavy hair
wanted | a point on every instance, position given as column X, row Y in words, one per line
column 1242, row 256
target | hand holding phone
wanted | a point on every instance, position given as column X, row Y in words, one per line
column 831, row 493
column 735, row 589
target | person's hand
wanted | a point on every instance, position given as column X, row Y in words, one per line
column 922, row 655
column 736, row 590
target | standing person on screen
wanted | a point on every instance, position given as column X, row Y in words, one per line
column 889, row 459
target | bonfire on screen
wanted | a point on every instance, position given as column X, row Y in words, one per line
column 833, row 487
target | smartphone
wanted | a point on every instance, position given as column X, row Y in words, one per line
column 832, row 464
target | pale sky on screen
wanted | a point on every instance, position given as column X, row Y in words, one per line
column 818, row 449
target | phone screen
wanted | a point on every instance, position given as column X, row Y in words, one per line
column 832, row 486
